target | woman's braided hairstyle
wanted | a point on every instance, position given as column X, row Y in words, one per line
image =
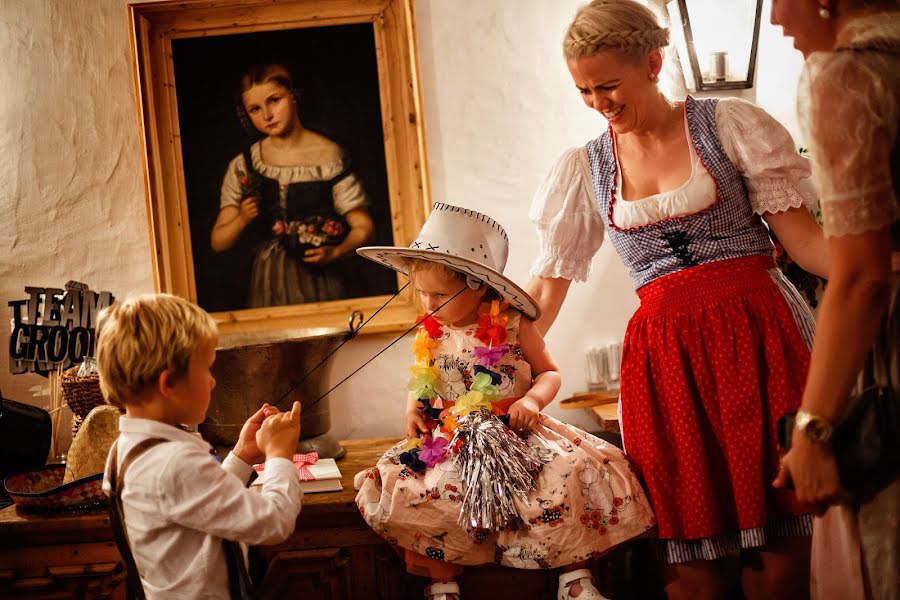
column 625, row 26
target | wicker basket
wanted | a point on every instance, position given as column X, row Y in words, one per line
column 82, row 394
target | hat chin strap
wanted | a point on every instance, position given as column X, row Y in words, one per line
column 473, row 282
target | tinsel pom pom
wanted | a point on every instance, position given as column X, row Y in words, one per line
column 497, row 467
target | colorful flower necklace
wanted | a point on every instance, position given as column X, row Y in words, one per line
column 426, row 451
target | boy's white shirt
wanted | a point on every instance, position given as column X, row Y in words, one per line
column 179, row 503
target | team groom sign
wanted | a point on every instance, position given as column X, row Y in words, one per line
column 54, row 327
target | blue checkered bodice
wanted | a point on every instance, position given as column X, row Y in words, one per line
column 726, row 229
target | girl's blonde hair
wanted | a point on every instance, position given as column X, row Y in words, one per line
column 624, row 26
column 414, row 266
column 141, row 337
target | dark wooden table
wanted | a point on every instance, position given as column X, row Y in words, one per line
column 332, row 554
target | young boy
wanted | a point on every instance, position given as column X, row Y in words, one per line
column 183, row 510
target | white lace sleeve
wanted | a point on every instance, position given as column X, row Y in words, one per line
column 776, row 175
column 850, row 100
column 231, row 183
column 569, row 227
column 348, row 194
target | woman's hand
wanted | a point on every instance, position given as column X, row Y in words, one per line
column 322, row 255
column 813, row 469
column 415, row 424
column 524, row 412
column 246, row 448
column 249, row 209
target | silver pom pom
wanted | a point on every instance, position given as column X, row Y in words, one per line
column 497, row 467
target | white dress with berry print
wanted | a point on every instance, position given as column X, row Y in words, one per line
column 586, row 500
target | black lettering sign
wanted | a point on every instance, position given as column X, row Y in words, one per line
column 54, row 327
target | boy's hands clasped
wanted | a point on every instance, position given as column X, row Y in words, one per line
column 269, row 433
column 278, row 435
column 246, row 448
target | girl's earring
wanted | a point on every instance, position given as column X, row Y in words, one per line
column 652, row 76
column 824, row 13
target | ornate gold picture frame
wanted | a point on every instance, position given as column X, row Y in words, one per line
column 359, row 79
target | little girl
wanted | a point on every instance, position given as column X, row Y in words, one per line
column 295, row 189
column 477, row 351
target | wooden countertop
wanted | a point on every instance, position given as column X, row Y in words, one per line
column 604, row 405
column 89, row 526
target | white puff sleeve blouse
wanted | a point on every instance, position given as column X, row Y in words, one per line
column 565, row 210
column 851, row 103
column 348, row 193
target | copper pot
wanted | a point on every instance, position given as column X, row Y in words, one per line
column 274, row 367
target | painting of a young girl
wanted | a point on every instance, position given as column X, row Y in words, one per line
column 296, row 187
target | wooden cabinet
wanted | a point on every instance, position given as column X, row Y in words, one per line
column 332, row 555
column 63, row 556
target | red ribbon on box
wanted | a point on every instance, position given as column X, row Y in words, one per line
column 300, row 461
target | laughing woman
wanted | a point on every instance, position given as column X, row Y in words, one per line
column 719, row 348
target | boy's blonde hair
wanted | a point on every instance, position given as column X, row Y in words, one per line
column 141, row 337
column 624, row 26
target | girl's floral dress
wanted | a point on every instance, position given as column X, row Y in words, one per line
column 586, row 499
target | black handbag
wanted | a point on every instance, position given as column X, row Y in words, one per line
column 25, row 433
column 866, row 441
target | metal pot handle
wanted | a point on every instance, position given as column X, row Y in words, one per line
column 355, row 321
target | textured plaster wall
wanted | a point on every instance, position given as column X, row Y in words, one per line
column 499, row 109
column 71, row 191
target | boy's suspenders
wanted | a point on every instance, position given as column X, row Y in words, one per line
column 239, row 584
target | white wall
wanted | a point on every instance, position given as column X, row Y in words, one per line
column 499, row 109
column 71, row 190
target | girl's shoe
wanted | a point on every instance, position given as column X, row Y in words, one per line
column 582, row 576
column 443, row 591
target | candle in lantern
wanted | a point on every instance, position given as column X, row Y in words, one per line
column 718, row 65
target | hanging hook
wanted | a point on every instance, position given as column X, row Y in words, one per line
column 355, row 321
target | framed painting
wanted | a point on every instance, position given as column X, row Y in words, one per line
column 278, row 137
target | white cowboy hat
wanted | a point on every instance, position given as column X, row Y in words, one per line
column 464, row 240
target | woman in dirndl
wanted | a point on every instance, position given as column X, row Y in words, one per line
column 719, row 348
column 851, row 76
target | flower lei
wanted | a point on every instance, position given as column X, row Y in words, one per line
column 427, row 450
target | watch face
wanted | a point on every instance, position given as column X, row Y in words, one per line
column 816, row 430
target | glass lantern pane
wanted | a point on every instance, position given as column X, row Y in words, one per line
column 677, row 39
column 723, row 36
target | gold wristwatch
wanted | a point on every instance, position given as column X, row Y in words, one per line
column 817, row 429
